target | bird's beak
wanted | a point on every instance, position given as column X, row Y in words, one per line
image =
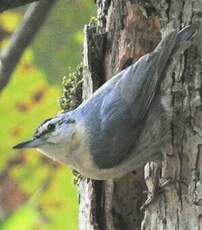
column 34, row 143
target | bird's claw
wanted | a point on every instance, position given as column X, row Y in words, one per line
column 159, row 189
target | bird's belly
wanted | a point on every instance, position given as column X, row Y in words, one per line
column 84, row 164
column 91, row 171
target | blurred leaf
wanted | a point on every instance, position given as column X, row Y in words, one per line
column 23, row 218
column 20, row 109
column 78, row 37
column 9, row 20
column 59, row 203
column 31, row 168
column 59, row 44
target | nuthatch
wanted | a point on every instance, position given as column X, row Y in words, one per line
column 107, row 136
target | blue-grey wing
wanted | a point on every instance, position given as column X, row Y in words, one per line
column 121, row 117
column 122, row 104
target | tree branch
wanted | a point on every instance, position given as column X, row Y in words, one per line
column 22, row 37
column 10, row 4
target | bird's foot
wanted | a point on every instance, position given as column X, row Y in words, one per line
column 160, row 189
column 150, row 198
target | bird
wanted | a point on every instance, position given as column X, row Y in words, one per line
column 122, row 125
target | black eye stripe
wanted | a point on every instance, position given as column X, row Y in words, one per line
column 50, row 127
column 69, row 121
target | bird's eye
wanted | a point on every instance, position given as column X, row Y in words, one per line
column 51, row 127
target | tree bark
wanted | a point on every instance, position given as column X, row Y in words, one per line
column 126, row 30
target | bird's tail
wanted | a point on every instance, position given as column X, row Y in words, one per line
column 175, row 42
column 187, row 33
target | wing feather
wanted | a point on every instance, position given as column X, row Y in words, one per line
column 121, row 105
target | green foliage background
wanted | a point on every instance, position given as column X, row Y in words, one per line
column 59, row 50
column 37, row 193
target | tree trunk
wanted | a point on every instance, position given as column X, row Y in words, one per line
column 124, row 31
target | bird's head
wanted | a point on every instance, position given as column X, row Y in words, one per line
column 52, row 136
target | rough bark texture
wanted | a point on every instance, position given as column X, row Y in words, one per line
column 125, row 30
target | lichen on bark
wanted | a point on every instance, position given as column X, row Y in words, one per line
column 72, row 89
